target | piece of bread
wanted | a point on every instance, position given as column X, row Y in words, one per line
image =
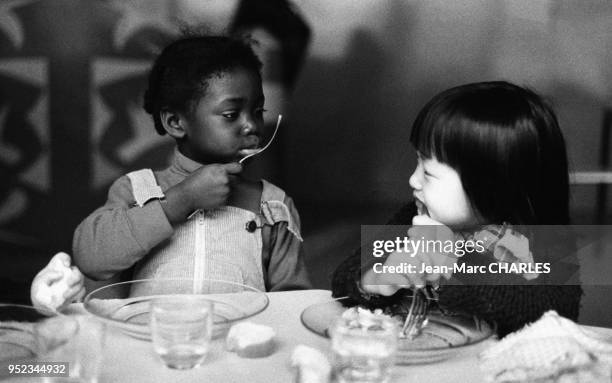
column 250, row 340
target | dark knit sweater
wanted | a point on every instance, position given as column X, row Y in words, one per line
column 509, row 306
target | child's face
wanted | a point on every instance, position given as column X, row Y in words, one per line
column 226, row 120
column 438, row 188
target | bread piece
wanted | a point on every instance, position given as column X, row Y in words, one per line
column 250, row 340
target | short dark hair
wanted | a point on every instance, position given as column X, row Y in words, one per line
column 180, row 74
column 506, row 145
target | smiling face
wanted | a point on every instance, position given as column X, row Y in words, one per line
column 438, row 188
column 226, row 120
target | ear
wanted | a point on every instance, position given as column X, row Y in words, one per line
column 173, row 123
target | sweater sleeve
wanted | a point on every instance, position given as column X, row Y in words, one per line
column 117, row 235
column 509, row 306
column 285, row 268
column 346, row 277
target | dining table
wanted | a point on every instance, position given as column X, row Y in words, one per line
column 127, row 359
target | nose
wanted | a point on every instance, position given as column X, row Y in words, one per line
column 249, row 126
column 416, row 179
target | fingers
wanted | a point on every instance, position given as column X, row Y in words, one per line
column 232, row 180
column 383, row 284
column 386, row 290
column 232, row 168
column 425, row 262
column 424, row 220
column 387, row 283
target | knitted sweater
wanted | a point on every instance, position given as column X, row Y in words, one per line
column 122, row 237
column 509, row 306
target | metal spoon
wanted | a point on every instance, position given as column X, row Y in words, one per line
column 280, row 117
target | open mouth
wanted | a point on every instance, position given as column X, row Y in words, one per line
column 421, row 208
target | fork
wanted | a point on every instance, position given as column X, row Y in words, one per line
column 278, row 121
column 417, row 314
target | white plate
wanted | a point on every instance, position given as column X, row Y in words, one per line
column 443, row 336
column 126, row 305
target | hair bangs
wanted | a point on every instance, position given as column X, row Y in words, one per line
column 446, row 133
column 505, row 144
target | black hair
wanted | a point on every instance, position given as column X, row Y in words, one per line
column 506, row 145
column 180, row 74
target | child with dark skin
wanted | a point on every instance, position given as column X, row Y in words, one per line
column 199, row 218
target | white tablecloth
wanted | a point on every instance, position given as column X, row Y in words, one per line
column 131, row 360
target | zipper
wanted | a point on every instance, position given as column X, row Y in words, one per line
column 200, row 248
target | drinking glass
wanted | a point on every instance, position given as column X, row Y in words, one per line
column 364, row 351
column 181, row 327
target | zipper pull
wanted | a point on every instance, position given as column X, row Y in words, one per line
column 201, row 217
column 199, row 213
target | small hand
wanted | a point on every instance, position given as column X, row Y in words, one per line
column 207, row 188
column 423, row 263
column 388, row 283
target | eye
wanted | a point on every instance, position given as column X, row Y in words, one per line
column 427, row 170
column 230, row 115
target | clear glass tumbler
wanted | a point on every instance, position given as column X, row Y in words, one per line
column 364, row 351
column 181, row 326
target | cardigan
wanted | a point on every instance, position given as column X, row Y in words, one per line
column 509, row 306
column 121, row 235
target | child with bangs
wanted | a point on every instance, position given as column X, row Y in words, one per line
column 491, row 157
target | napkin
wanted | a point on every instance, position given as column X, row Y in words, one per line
column 311, row 366
column 552, row 349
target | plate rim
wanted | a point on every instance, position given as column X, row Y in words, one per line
column 492, row 327
column 132, row 329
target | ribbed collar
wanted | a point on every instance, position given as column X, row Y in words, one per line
column 183, row 164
